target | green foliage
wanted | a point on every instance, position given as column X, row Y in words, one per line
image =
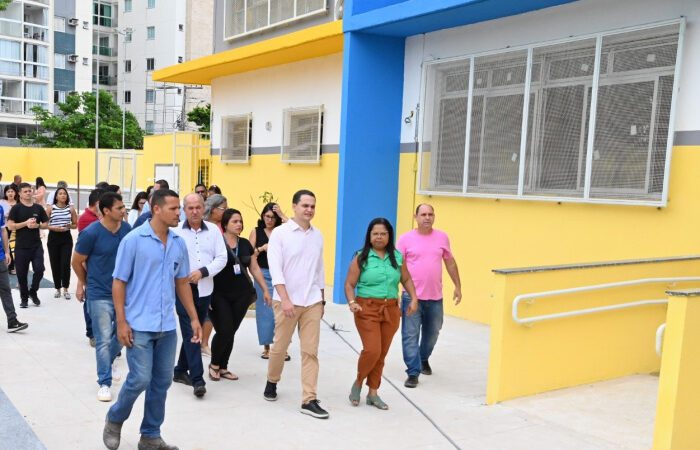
column 75, row 126
column 266, row 197
column 201, row 117
column 4, row 4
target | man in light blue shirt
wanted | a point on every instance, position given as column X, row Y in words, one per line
column 152, row 264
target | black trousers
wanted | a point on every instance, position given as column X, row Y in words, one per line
column 60, row 246
column 23, row 257
column 227, row 312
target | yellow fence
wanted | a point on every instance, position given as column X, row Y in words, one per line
column 553, row 354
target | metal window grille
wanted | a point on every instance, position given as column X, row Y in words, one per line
column 242, row 17
column 302, row 132
column 481, row 136
column 236, row 138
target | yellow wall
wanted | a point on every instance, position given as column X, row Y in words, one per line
column 240, row 182
column 563, row 352
column 486, row 234
column 53, row 164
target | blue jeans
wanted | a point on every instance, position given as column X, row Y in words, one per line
column 424, row 326
column 264, row 316
column 88, row 320
column 105, row 331
column 150, row 369
column 190, row 359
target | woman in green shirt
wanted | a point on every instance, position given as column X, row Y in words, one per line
column 371, row 288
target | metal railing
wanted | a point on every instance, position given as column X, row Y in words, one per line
column 104, row 50
column 105, row 80
column 579, row 312
column 660, row 338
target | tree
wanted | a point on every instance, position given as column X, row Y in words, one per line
column 74, row 127
column 201, row 117
column 4, row 4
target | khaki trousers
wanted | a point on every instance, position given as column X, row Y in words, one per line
column 377, row 323
column 308, row 321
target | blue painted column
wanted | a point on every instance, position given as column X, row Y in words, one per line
column 370, row 135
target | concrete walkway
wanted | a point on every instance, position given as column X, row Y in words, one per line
column 48, row 373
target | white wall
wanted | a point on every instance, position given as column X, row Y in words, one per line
column 267, row 92
column 574, row 19
column 83, row 46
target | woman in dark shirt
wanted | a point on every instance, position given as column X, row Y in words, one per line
column 233, row 292
column 270, row 218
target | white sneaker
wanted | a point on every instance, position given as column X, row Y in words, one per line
column 116, row 373
column 104, row 394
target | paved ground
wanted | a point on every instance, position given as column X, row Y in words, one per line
column 48, row 374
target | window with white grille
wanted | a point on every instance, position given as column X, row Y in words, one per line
column 482, row 135
column 302, row 132
column 236, row 134
column 242, row 17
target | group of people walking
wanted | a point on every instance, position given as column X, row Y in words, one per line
column 134, row 269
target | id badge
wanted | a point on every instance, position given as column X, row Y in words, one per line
column 237, row 269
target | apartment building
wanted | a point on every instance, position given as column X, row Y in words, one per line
column 44, row 55
column 153, row 34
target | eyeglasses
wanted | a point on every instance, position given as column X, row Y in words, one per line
column 221, row 208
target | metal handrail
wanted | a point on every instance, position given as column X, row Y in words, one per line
column 660, row 338
column 596, row 287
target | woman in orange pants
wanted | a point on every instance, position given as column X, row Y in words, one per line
column 371, row 288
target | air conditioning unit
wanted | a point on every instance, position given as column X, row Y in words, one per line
column 73, row 22
column 73, row 58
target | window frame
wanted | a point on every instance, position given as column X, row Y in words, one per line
column 151, row 33
column 645, row 75
column 153, row 67
column 318, row 109
column 127, row 102
column 127, row 66
column 269, row 26
column 153, row 95
column 230, row 159
column 151, row 4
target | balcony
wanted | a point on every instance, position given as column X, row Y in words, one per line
column 105, row 80
column 28, row 105
column 10, row 28
column 10, row 106
column 37, row 33
column 104, row 51
column 43, row 2
column 102, row 21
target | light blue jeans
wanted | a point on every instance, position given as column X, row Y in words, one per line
column 151, row 361
column 264, row 316
column 419, row 332
column 104, row 328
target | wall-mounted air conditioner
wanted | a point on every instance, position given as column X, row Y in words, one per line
column 73, row 22
column 72, row 58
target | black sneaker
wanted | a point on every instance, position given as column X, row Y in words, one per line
column 426, row 369
column 270, row 393
column 16, row 325
column 411, row 381
column 314, row 409
column 35, row 299
column 182, row 378
column 24, row 303
column 199, row 391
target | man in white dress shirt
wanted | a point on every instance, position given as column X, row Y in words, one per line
column 295, row 256
column 208, row 256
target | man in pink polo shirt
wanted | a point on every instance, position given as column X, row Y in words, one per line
column 424, row 249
